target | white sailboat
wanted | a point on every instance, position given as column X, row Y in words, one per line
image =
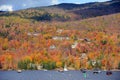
column 65, row 68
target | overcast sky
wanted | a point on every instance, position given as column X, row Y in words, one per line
column 10, row 5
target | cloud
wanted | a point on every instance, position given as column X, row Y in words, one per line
column 103, row 0
column 24, row 5
column 54, row 2
column 6, row 8
column 77, row 2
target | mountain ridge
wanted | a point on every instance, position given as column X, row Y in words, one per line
column 67, row 11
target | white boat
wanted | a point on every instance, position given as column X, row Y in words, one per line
column 19, row 71
column 60, row 70
column 65, row 68
column 96, row 71
column 45, row 70
column 109, row 73
column 83, row 70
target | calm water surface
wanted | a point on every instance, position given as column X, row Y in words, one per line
column 55, row 75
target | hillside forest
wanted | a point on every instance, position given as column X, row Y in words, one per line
column 26, row 43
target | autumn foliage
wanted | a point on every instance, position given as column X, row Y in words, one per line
column 90, row 43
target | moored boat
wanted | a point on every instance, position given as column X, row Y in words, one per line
column 109, row 73
column 19, row 71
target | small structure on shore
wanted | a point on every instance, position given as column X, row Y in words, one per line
column 39, row 67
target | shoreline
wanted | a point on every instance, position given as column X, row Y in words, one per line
column 55, row 70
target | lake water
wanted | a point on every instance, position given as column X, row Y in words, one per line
column 55, row 75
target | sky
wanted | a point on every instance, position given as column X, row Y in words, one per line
column 12, row 5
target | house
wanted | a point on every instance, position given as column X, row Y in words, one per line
column 59, row 31
column 84, row 56
column 60, row 38
column 39, row 67
column 84, row 39
column 35, row 34
column 52, row 47
column 32, row 34
column 87, row 40
column 74, row 45
column 29, row 34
